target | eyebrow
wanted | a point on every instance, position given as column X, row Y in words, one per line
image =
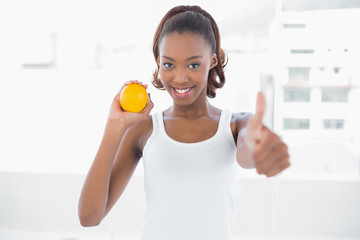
column 188, row 59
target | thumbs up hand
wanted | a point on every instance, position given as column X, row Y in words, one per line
column 269, row 153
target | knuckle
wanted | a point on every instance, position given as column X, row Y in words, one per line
column 270, row 174
column 257, row 164
column 286, row 157
column 287, row 164
column 259, row 171
column 285, row 147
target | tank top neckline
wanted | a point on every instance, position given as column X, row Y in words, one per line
column 161, row 124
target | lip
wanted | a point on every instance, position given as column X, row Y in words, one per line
column 182, row 92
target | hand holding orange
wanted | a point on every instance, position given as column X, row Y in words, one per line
column 133, row 98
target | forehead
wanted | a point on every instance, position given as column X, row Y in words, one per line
column 189, row 44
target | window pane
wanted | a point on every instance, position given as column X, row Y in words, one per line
column 296, row 123
column 333, row 123
column 294, row 25
column 299, row 73
column 334, row 95
column 302, row 51
column 297, row 95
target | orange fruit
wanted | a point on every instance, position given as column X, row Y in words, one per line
column 133, row 98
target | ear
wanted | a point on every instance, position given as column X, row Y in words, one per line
column 214, row 61
column 158, row 61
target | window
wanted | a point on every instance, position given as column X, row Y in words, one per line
column 335, row 95
column 296, row 123
column 299, row 74
column 297, row 95
column 333, row 123
column 294, row 25
column 39, row 50
column 302, row 51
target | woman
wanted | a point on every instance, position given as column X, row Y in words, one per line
column 191, row 150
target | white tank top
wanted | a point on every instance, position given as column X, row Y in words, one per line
column 189, row 187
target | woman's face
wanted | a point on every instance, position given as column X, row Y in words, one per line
column 184, row 63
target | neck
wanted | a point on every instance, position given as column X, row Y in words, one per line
column 193, row 111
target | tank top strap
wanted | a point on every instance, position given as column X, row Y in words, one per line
column 156, row 118
column 225, row 123
column 158, row 122
column 228, row 117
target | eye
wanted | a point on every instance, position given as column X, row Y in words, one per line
column 194, row 65
column 168, row 65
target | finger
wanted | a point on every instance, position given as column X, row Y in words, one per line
column 124, row 85
column 136, row 82
column 272, row 160
column 149, row 105
column 255, row 123
column 269, row 142
column 132, row 82
column 281, row 167
column 117, row 96
column 273, row 165
column 260, row 109
column 128, row 83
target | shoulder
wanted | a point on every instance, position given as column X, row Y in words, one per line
column 240, row 118
column 238, row 122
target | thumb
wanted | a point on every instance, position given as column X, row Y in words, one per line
column 260, row 108
column 257, row 119
column 149, row 105
column 255, row 124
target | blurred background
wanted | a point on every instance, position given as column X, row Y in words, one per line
column 62, row 62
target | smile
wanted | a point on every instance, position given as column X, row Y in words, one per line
column 182, row 90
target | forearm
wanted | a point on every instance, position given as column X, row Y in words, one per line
column 244, row 157
column 94, row 195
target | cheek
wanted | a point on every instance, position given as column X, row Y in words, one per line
column 203, row 75
column 164, row 76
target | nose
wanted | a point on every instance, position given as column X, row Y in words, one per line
column 180, row 76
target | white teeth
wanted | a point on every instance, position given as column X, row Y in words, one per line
column 182, row 91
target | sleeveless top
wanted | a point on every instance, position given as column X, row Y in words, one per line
column 189, row 187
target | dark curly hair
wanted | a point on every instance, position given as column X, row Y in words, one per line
column 195, row 20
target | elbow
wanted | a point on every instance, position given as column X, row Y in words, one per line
column 89, row 219
column 89, row 214
column 88, row 222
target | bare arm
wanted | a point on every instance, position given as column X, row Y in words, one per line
column 97, row 191
column 258, row 147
